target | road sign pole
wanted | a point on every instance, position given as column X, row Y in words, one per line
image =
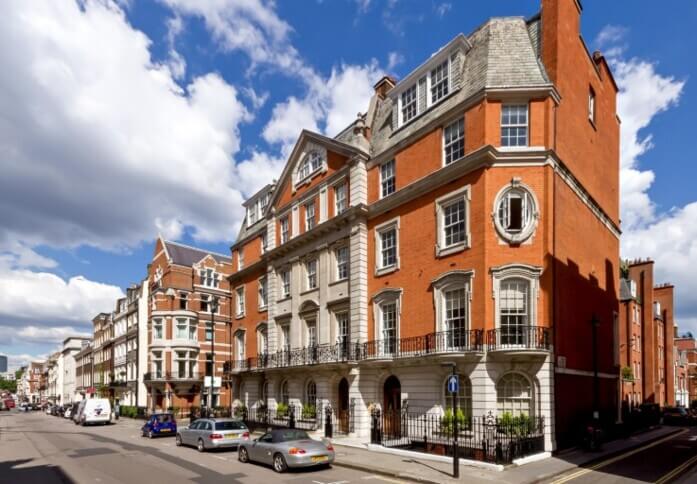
column 456, row 453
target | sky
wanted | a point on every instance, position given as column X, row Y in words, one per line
column 123, row 119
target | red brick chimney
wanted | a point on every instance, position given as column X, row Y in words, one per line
column 560, row 26
column 383, row 86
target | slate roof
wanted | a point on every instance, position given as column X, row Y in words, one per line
column 185, row 255
column 504, row 54
column 625, row 290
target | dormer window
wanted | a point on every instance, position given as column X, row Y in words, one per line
column 311, row 163
column 440, row 86
column 409, row 104
column 209, row 278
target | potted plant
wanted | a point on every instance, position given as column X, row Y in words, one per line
column 309, row 412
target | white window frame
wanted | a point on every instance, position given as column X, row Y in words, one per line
column 240, row 258
column 240, row 306
column 341, row 265
column 516, row 126
column 311, row 275
column 412, row 101
column 310, row 222
column 443, row 67
column 393, row 178
column 209, row 277
column 381, row 229
column 264, row 242
column 286, row 285
column 462, row 194
column 529, row 273
column 385, row 297
column 338, row 316
column 450, row 142
column 511, row 400
column 240, row 346
column 312, row 161
column 311, row 332
column 591, row 105
column 285, row 336
column 284, row 228
column 340, row 203
column 262, row 340
column 263, row 292
column 529, row 217
column 456, row 279
column 162, row 325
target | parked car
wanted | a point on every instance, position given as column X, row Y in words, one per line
column 159, row 424
column 213, row 433
column 78, row 414
column 677, row 416
column 286, row 448
column 9, row 403
column 96, row 410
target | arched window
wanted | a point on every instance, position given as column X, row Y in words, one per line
column 514, row 395
column 309, row 164
column 464, row 396
column 311, row 393
column 264, row 391
column 285, row 394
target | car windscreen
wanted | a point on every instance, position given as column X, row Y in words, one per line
column 289, row 435
column 230, row 425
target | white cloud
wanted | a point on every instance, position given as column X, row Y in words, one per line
column 54, row 335
column 99, row 145
column 289, row 118
column 443, row 8
column 667, row 237
column 393, row 60
column 45, row 298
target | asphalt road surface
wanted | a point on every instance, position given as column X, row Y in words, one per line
column 671, row 459
column 38, row 448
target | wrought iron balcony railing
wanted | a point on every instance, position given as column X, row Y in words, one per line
column 456, row 341
column 518, row 338
column 173, row 376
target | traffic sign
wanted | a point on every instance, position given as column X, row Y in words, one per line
column 453, row 384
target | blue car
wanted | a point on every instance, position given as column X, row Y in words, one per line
column 159, row 424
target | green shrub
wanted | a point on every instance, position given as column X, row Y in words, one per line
column 239, row 410
column 282, row 410
column 447, row 421
column 309, row 411
column 521, row 425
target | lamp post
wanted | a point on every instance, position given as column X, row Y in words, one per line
column 595, row 322
column 214, row 309
column 456, row 456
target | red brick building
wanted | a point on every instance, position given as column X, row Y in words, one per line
column 646, row 334
column 184, row 348
column 471, row 215
column 686, row 361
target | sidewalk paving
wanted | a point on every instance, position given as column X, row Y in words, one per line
column 355, row 457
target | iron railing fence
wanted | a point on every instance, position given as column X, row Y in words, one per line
column 518, row 338
column 486, row 438
column 261, row 418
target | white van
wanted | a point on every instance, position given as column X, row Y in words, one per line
column 96, row 410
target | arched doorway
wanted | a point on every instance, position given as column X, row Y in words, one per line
column 343, row 406
column 392, row 406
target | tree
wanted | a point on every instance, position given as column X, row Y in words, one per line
column 8, row 385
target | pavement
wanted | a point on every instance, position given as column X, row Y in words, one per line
column 648, row 457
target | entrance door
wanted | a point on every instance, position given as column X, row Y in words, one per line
column 343, row 410
column 392, row 407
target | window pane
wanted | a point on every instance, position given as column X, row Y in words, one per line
column 454, row 223
column 454, row 141
column 513, row 304
column 389, row 247
column 439, row 82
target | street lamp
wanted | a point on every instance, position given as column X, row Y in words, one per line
column 595, row 322
column 214, row 309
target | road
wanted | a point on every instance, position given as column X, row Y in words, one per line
column 671, row 459
column 38, row 448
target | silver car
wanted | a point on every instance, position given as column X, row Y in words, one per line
column 286, row 448
column 213, row 433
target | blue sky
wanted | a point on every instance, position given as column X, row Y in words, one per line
column 135, row 117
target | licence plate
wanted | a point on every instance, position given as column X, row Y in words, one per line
column 231, row 436
column 320, row 458
column 165, row 430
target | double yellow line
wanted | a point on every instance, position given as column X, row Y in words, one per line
column 607, row 462
column 678, row 470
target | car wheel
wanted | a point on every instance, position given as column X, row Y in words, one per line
column 151, row 435
column 279, row 463
column 243, row 455
column 178, row 440
column 200, row 447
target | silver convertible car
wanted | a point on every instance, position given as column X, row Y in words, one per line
column 286, row 448
column 213, row 433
